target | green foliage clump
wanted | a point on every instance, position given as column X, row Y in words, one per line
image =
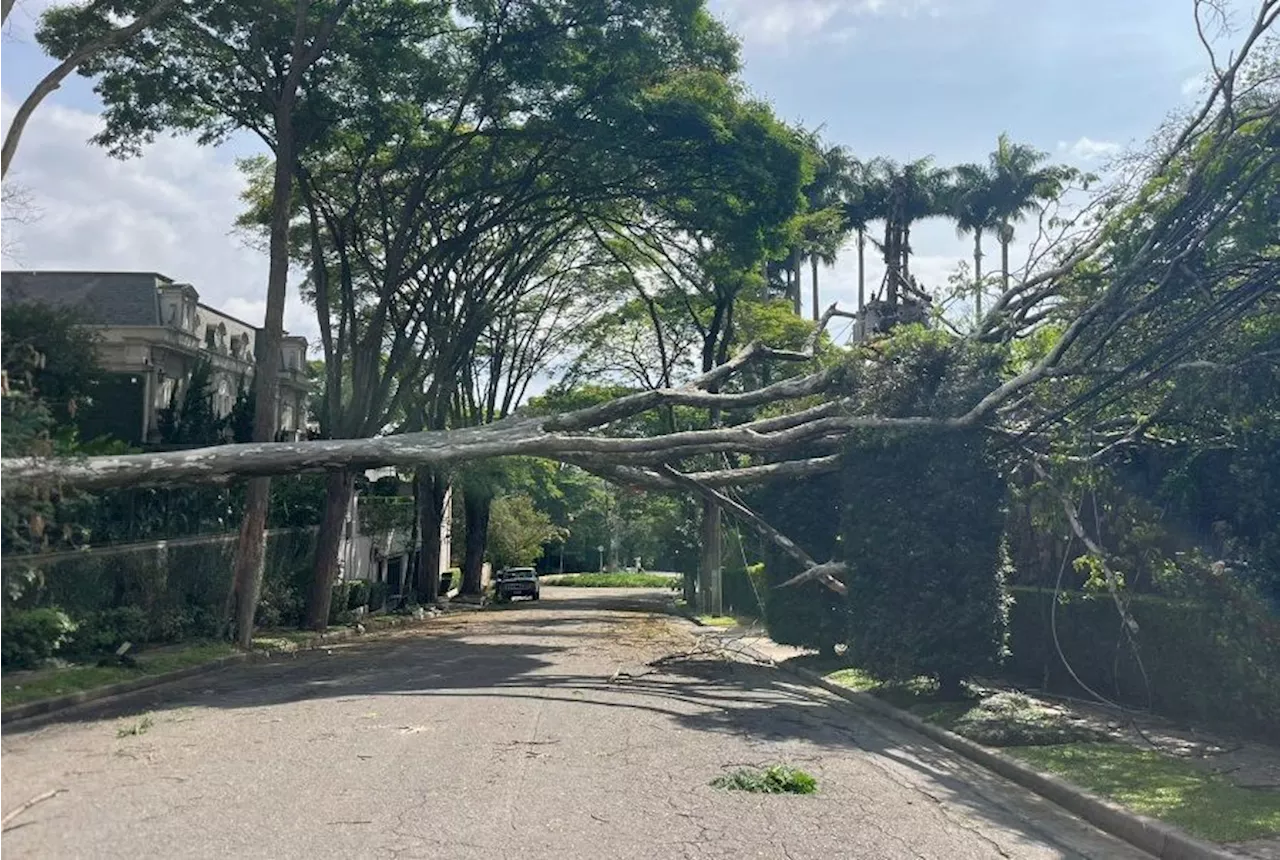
column 108, row 629
column 29, row 637
column 1015, row 719
column 613, row 580
column 517, row 531
column 776, row 779
column 922, row 536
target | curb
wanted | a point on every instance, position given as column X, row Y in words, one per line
column 44, row 707
column 1154, row 837
column 48, row 707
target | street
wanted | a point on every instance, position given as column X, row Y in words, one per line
column 535, row 731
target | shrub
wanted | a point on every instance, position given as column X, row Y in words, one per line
column 29, row 637
column 922, row 534
column 377, row 596
column 108, row 629
column 357, row 594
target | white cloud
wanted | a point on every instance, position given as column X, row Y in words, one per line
column 1193, row 86
column 1088, row 149
column 170, row 211
column 779, row 22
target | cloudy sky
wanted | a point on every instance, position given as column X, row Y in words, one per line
column 1082, row 79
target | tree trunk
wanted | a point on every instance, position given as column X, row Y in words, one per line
column 433, row 488
column 862, row 269
column 977, row 273
column 339, row 488
column 795, row 279
column 813, row 267
column 710, row 600
column 1004, row 261
column 249, row 556
column 475, row 506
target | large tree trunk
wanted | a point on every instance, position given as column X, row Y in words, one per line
column 813, row 267
column 475, row 507
column 862, row 269
column 249, row 556
column 339, row 487
column 433, row 489
column 977, row 273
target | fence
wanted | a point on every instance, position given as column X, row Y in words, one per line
column 180, row 586
column 1190, row 659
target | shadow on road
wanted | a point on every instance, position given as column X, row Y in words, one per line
column 528, row 652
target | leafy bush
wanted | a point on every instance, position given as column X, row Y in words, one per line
column 29, row 637
column 611, row 580
column 922, row 533
column 358, row 594
column 377, row 596
column 108, row 629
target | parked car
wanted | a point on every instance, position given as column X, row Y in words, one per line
column 517, row 582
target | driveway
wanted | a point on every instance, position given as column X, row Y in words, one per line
column 534, row 731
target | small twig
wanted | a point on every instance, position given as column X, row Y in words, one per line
column 40, row 798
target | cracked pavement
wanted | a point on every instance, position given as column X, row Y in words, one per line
column 535, row 731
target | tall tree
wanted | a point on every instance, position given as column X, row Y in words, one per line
column 1019, row 184
column 864, row 202
column 245, row 65
column 974, row 206
column 912, row 192
column 825, row 228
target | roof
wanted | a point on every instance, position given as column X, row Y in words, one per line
column 104, row 298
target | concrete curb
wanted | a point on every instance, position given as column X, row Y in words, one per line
column 44, row 707
column 1154, row 837
column 49, row 707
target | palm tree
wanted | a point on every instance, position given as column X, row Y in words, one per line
column 913, row 191
column 973, row 205
column 825, row 231
column 864, row 202
column 1020, row 184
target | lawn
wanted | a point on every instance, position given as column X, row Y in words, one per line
column 611, row 580
column 1163, row 787
column 717, row 620
column 18, row 688
column 1052, row 739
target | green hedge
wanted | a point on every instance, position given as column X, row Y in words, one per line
column 1199, row 665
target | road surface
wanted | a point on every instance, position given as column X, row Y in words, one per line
column 536, row 731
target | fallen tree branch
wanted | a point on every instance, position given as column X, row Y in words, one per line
column 23, row 807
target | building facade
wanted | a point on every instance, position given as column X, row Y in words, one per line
column 153, row 333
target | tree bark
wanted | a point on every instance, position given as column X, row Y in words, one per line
column 475, row 506
column 813, row 268
column 249, row 550
column 977, row 273
column 433, row 489
column 247, row 566
column 339, row 489
column 1004, row 258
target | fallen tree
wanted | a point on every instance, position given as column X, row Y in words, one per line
column 1137, row 289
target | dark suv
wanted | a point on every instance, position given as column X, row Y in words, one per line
column 517, row 582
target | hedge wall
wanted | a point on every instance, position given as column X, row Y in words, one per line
column 1200, row 664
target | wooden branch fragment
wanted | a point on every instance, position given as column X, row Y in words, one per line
column 23, row 807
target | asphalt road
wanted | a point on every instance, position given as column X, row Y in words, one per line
column 536, row 731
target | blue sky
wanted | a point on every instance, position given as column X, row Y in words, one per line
column 900, row 78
